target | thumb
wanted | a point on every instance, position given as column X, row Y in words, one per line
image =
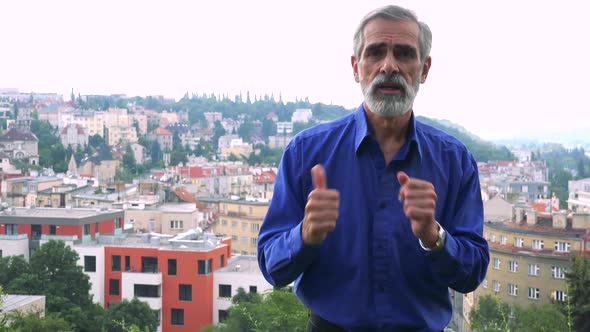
column 318, row 175
column 403, row 178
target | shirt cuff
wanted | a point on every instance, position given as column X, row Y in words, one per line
column 298, row 249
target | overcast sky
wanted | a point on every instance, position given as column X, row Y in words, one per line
column 500, row 68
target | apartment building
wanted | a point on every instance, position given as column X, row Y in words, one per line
column 169, row 218
column 240, row 272
column 22, row 229
column 240, row 220
column 530, row 254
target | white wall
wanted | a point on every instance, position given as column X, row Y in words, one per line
column 96, row 278
column 15, row 245
column 236, row 279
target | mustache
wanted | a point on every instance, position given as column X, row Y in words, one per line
column 394, row 78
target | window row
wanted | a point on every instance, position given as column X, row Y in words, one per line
column 519, row 242
column 150, row 264
column 185, row 291
column 557, row 272
column 254, row 227
column 533, row 293
column 225, row 290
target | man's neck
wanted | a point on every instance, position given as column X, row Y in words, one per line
column 390, row 133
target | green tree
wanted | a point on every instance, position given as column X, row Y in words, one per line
column 129, row 159
column 3, row 318
column 177, row 157
column 490, row 314
column 155, row 152
column 269, row 128
column 123, row 314
column 11, row 267
column 578, row 286
column 279, row 310
column 36, row 321
column 246, row 130
column 95, row 141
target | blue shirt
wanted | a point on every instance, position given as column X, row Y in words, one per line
column 371, row 273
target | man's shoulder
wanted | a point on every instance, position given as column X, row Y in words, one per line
column 325, row 130
column 434, row 135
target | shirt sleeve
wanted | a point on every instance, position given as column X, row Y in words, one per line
column 282, row 255
column 463, row 262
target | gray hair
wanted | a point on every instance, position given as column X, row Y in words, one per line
column 394, row 13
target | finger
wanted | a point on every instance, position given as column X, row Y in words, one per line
column 318, row 175
column 403, row 179
column 418, row 213
column 417, row 195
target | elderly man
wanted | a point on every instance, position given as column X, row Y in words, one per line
column 375, row 215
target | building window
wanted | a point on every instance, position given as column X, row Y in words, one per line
column 234, row 238
column 557, row 272
column 562, row 246
column 518, row 242
column 113, row 286
column 234, row 224
column 253, row 241
column 185, row 292
column 224, row 290
column 117, row 222
column 533, row 293
column 171, row 267
column 127, row 263
column 493, row 238
column 559, row 296
column 204, row 266
column 253, row 289
column 223, row 315
column 484, row 284
column 245, row 240
column 116, row 263
column 513, row 266
column 140, row 290
column 496, row 263
column 87, row 229
column 512, row 289
column 177, row 316
column 11, row 229
column 224, row 222
column 52, row 229
column 503, row 239
column 222, row 261
column 254, row 228
column 534, row 270
column 496, row 286
column 538, row 244
column 244, row 225
column 176, row 224
column 89, row 263
column 149, row 264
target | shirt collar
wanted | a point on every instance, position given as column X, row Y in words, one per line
column 362, row 130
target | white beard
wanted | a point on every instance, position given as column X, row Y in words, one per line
column 385, row 105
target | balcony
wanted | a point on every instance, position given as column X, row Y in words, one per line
column 144, row 278
column 14, row 237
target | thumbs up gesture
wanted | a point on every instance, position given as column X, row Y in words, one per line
column 419, row 200
column 321, row 210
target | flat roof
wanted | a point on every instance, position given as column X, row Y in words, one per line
column 178, row 207
column 57, row 216
column 155, row 241
column 12, row 302
column 547, row 231
column 241, row 264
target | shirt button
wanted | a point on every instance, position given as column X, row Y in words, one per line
column 382, row 205
column 381, row 289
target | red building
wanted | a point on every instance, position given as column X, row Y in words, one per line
column 173, row 275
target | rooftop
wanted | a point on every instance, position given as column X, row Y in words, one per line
column 54, row 216
column 539, row 229
column 241, row 264
column 12, row 302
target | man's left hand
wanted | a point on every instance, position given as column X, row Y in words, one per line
column 419, row 200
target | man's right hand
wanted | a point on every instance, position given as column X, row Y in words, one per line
column 321, row 210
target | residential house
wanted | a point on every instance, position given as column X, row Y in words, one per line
column 20, row 145
column 74, row 135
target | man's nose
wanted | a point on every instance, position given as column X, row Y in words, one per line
column 389, row 64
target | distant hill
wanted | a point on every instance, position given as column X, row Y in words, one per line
column 482, row 150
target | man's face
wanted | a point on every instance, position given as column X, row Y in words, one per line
column 389, row 69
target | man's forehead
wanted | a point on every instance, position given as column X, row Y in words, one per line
column 381, row 29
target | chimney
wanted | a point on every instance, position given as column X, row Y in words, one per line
column 519, row 215
column 531, row 216
column 559, row 220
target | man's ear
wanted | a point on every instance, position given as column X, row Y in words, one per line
column 355, row 68
column 425, row 69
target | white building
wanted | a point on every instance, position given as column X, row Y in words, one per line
column 284, row 128
column 241, row 271
column 301, row 115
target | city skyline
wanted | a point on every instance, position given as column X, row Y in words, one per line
column 499, row 70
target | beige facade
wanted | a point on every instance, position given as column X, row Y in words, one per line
column 528, row 260
column 121, row 134
column 241, row 220
column 172, row 218
column 105, row 171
